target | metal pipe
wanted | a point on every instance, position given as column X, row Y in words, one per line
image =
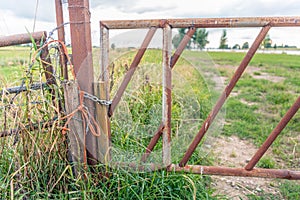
column 22, row 38
column 224, row 95
column 60, row 20
column 187, row 37
column 81, row 42
column 174, row 60
column 277, row 130
column 204, row 22
column 80, row 27
column 104, row 93
column 227, row 171
column 104, row 58
column 61, row 36
column 132, row 69
column 167, row 94
column 152, row 143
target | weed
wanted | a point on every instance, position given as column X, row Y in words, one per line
column 34, row 161
column 266, row 162
column 233, row 154
column 290, row 190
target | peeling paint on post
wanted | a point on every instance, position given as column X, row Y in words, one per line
column 104, row 142
column 82, row 61
column 167, row 94
column 61, row 36
column 104, row 58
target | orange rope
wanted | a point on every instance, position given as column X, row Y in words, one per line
column 85, row 117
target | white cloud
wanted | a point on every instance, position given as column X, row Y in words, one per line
column 15, row 15
column 26, row 9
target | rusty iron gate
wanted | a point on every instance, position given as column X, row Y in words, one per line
column 81, row 48
column 168, row 63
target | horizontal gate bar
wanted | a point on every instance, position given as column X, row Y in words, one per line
column 227, row 171
column 204, row 22
column 22, row 38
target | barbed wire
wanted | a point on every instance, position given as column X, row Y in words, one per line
column 55, row 29
column 27, row 85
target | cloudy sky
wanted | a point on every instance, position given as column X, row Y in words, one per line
column 18, row 15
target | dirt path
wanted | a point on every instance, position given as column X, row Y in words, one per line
column 234, row 152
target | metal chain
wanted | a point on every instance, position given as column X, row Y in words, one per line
column 96, row 99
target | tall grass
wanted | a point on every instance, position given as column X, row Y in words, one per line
column 34, row 162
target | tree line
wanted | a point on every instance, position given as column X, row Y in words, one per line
column 199, row 40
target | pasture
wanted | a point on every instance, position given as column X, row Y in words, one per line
column 34, row 163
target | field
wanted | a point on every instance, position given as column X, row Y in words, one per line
column 33, row 164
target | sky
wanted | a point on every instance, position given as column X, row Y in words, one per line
column 17, row 16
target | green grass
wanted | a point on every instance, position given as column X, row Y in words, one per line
column 270, row 60
column 271, row 99
column 34, row 164
column 268, row 102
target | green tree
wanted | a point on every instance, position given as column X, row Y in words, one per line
column 267, row 43
column 223, row 40
column 176, row 40
column 245, row 45
column 113, row 46
column 178, row 37
column 200, row 38
column 236, row 46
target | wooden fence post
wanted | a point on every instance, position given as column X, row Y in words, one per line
column 102, row 118
column 76, row 138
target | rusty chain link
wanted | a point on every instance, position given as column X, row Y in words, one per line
column 96, row 99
